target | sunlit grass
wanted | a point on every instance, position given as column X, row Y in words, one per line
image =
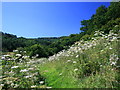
column 92, row 70
column 86, row 64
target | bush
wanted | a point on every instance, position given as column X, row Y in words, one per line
column 86, row 37
column 37, row 50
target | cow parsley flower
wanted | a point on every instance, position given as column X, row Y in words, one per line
column 60, row 74
column 3, row 58
column 48, row 87
column 28, row 76
column 113, row 63
column 41, row 82
column 75, row 69
column 33, row 86
column 24, row 70
column 15, row 50
column 18, row 55
column 110, row 48
column 74, row 62
column 77, row 56
column 14, row 67
column 68, row 60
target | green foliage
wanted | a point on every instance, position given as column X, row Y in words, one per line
column 20, row 74
column 111, row 25
column 36, row 49
column 104, row 19
column 113, row 11
column 86, row 37
column 92, row 68
column 84, row 23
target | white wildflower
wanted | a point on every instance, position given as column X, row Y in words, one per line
column 77, row 56
column 33, row 86
column 3, row 58
column 110, row 48
column 1, row 77
column 106, row 36
column 24, row 51
column 11, row 72
column 102, row 50
column 60, row 74
column 116, row 25
column 12, row 84
column 37, row 55
column 113, row 63
column 95, row 34
column 48, row 87
column 1, row 84
column 74, row 62
column 30, row 68
column 21, row 51
column 9, row 59
column 15, row 50
column 100, row 65
column 6, row 55
column 18, row 55
column 28, row 76
column 113, row 57
column 16, row 85
column 25, row 57
column 117, row 58
column 14, row 67
column 24, row 70
column 68, row 60
column 41, row 82
column 9, row 82
column 75, row 69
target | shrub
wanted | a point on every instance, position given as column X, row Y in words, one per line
column 36, row 50
column 86, row 37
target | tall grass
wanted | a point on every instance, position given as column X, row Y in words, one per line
column 86, row 64
column 90, row 64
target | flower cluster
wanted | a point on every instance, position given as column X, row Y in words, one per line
column 113, row 59
column 80, row 46
column 19, row 67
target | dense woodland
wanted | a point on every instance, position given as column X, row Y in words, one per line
column 103, row 20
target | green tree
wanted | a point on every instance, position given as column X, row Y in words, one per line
column 113, row 11
column 36, row 49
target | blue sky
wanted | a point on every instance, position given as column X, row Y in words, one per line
column 46, row 19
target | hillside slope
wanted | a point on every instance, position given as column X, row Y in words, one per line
column 86, row 64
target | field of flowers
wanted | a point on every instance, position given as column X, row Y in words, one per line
column 19, row 71
column 86, row 64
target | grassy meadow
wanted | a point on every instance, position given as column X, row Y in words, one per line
column 86, row 64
